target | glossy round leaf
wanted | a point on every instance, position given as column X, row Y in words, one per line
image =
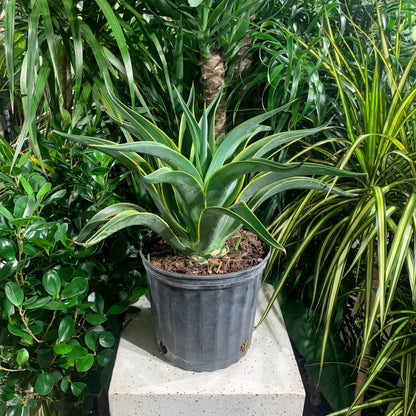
column 78, row 388
column 106, row 339
column 7, row 308
column 118, row 308
column 91, row 338
column 64, row 384
column 7, row 268
column 62, row 348
column 98, row 301
column 77, row 352
column 22, row 357
column 104, row 357
column 24, row 207
column 119, row 251
column 66, row 328
column 65, row 362
column 95, row 318
column 14, row 293
column 51, row 281
column 7, row 249
column 85, row 363
column 44, row 384
column 77, row 287
column 60, row 232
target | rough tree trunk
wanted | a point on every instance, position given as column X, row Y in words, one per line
column 212, row 78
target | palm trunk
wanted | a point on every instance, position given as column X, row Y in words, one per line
column 213, row 74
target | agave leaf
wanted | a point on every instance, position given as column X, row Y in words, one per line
column 157, row 150
column 138, row 125
column 191, row 200
column 123, row 215
column 130, row 160
column 223, row 177
column 228, row 146
column 243, row 215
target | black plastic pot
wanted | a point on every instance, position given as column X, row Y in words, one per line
column 203, row 323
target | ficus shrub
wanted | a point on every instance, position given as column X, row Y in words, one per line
column 60, row 303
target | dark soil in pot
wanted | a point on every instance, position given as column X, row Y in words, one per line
column 245, row 251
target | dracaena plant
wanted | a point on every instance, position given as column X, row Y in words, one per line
column 204, row 189
column 364, row 246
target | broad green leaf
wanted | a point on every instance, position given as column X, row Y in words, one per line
column 20, row 333
column 105, row 357
column 98, row 302
column 65, row 384
column 7, row 269
column 6, row 213
column 26, row 186
column 7, row 249
column 263, row 147
column 65, row 362
column 43, row 191
column 106, row 339
column 118, row 308
column 51, row 281
column 44, row 384
column 85, row 363
column 75, row 288
column 66, row 329
column 129, row 159
column 91, row 339
column 278, row 186
column 22, row 357
column 95, row 318
column 62, row 348
column 77, row 352
column 60, row 232
column 14, row 293
column 78, row 388
column 24, row 207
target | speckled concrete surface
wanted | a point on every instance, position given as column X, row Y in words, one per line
column 264, row 382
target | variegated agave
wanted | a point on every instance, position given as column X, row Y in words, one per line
column 205, row 190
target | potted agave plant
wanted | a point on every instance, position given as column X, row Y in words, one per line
column 205, row 191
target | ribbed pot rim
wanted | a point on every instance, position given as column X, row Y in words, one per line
column 206, row 281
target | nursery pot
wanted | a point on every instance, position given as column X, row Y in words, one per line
column 203, row 323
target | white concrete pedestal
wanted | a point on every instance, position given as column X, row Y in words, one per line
column 264, row 382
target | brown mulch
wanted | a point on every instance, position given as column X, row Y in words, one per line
column 251, row 251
